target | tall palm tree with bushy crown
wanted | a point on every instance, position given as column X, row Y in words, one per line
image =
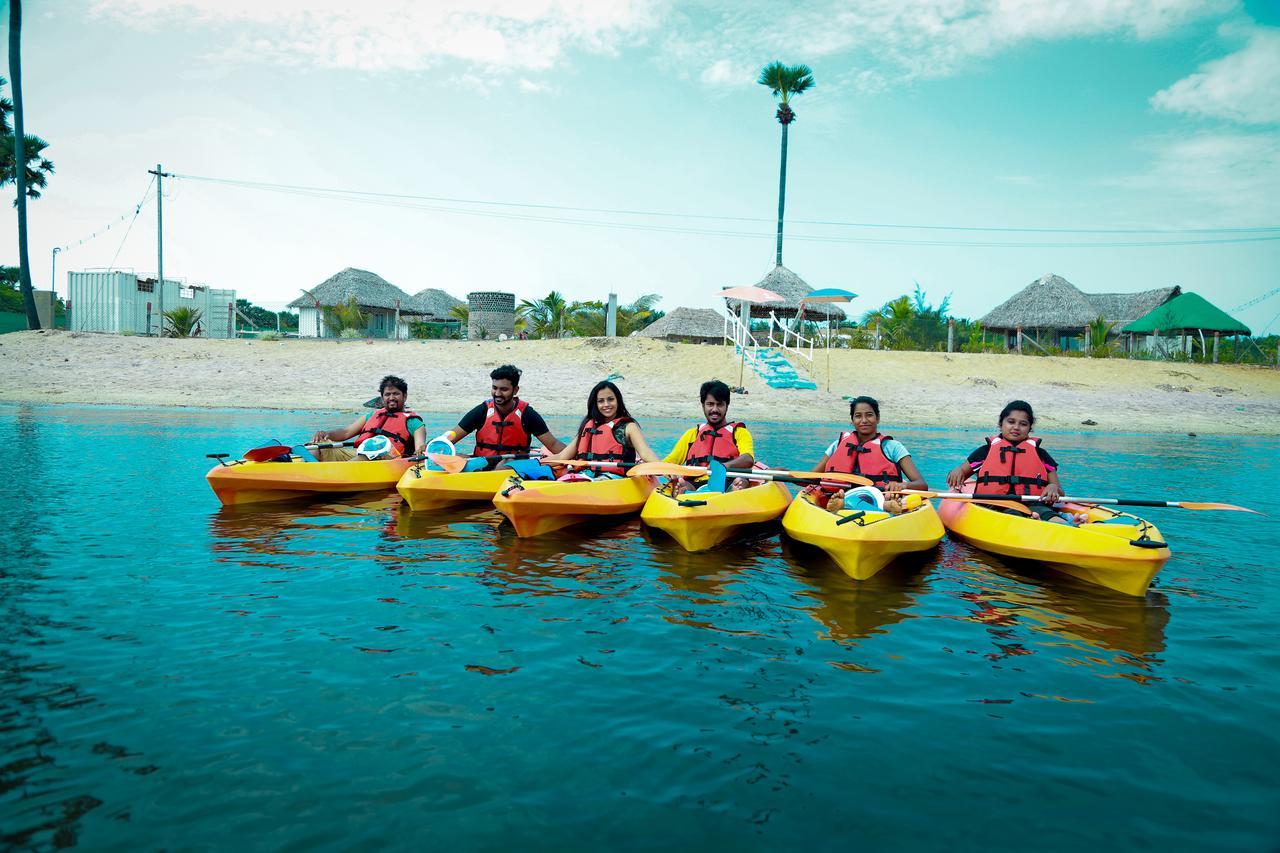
column 785, row 81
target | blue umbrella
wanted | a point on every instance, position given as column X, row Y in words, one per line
column 828, row 294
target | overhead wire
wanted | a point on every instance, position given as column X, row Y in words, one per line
column 420, row 202
column 136, row 210
column 113, row 223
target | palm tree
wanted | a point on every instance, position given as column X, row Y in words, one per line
column 549, row 316
column 341, row 318
column 784, row 81
column 20, row 159
column 182, row 322
column 895, row 319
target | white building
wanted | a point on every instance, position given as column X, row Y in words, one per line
column 123, row 302
column 387, row 309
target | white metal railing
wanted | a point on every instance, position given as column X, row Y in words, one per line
column 792, row 340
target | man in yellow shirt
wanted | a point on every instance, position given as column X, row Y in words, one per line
column 725, row 441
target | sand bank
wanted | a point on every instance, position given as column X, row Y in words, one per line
column 659, row 380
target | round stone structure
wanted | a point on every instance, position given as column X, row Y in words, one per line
column 490, row 313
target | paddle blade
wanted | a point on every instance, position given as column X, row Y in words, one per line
column 451, row 464
column 665, row 469
column 262, row 454
column 1223, row 507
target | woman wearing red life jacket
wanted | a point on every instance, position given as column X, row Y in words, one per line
column 1013, row 463
column 608, row 434
column 864, row 450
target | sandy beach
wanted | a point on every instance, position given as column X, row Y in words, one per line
column 658, row 379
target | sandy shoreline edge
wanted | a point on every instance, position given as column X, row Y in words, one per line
column 658, row 379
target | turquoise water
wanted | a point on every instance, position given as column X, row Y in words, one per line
column 348, row 674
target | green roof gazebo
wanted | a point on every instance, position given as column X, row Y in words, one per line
column 1189, row 314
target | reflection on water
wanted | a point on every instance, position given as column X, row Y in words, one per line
column 1082, row 624
column 173, row 675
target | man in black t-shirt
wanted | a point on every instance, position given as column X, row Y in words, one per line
column 504, row 424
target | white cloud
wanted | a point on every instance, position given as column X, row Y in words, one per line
column 1243, row 86
column 726, row 72
column 1229, row 178
column 534, row 87
column 386, row 35
column 904, row 39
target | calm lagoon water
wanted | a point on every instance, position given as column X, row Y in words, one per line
column 348, row 674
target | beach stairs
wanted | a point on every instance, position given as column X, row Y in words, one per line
column 776, row 371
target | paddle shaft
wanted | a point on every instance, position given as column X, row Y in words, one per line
column 1068, row 499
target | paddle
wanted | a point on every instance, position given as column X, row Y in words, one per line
column 262, row 454
column 454, row 464
column 668, row 469
column 1010, row 499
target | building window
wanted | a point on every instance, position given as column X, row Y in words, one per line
column 146, row 286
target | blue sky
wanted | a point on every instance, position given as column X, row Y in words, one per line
column 1094, row 114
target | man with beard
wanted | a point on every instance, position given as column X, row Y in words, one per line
column 727, row 442
column 402, row 427
column 504, row 424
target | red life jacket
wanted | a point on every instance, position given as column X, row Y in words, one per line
column 605, row 442
column 499, row 435
column 1016, row 469
column 717, row 444
column 393, row 426
column 852, row 456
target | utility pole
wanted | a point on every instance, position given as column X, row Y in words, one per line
column 160, row 176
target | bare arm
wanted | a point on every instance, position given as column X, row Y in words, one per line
column 913, row 478
column 419, row 441
column 822, row 463
column 640, row 444
column 342, row 434
column 1053, row 492
column 957, row 476
column 550, row 442
column 745, row 460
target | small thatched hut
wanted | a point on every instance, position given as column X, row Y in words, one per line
column 792, row 288
column 1055, row 312
column 436, row 304
column 691, row 325
column 387, row 308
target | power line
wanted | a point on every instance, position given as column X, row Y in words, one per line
column 112, row 224
column 415, row 203
column 127, row 231
column 365, row 194
column 1252, row 302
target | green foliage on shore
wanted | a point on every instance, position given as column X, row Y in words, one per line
column 182, row 322
column 37, row 168
column 266, row 320
column 341, row 319
column 554, row 317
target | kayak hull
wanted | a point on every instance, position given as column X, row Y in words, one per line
column 866, row 543
column 241, row 483
column 423, row 489
column 1115, row 550
column 701, row 521
column 535, row 507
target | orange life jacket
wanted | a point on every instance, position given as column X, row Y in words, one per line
column 605, row 442
column 852, row 456
column 499, row 435
column 1015, row 469
column 717, row 444
column 393, row 426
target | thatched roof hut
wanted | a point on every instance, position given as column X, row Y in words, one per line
column 1053, row 303
column 792, row 288
column 436, row 303
column 698, row 325
column 370, row 290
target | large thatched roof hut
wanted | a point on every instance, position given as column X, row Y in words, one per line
column 436, row 303
column 694, row 325
column 385, row 306
column 1056, row 312
column 792, row 288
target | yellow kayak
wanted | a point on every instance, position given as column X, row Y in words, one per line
column 860, row 542
column 240, row 482
column 1113, row 549
column 423, row 489
column 535, row 507
column 702, row 520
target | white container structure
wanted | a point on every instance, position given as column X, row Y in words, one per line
column 125, row 303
